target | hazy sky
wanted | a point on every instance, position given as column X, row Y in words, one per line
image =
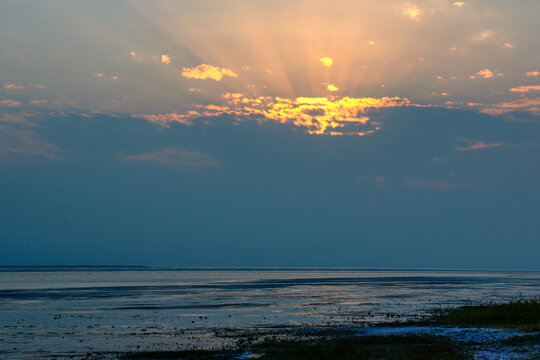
column 270, row 133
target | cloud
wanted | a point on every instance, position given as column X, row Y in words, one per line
column 205, row 71
column 483, row 36
column 477, row 145
column 508, row 45
column 40, row 86
column 331, row 87
column 459, row 3
column 486, row 74
column 532, row 73
column 317, row 116
column 523, row 89
column 11, row 86
column 18, row 138
column 39, row 102
column 98, row 75
column 371, row 43
column 327, row 61
column 430, row 185
column 411, row 11
column 10, row 103
column 175, row 157
column 195, row 90
column 114, row 77
column 528, row 105
column 165, row 119
column 165, row 59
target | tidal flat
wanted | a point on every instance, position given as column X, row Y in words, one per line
column 110, row 313
column 501, row 331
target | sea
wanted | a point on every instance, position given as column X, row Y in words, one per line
column 77, row 312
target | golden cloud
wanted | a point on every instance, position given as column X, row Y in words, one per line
column 331, row 87
column 165, row 59
column 315, row 115
column 532, row 73
column 412, row 11
column 205, row 71
column 327, row 61
column 459, row 3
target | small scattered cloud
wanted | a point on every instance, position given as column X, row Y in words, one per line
column 114, row 77
column 39, row 86
column 477, row 145
column 204, row 71
column 459, row 3
column 532, row 73
column 165, row 59
column 371, row 43
column 525, row 104
column 508, row 45
column 197, row 90
column 482, row 36
column 331, row 87
column 523, row 89
column 39, row 102
column 134, row 56
column 165, row 119
column 486, row 74
column 98, row 75
column 175, row 157
column 10, row 103
column 12, row 86
column 441, row 185
column 411, row 11
column 327, row 61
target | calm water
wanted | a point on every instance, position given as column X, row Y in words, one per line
column 66, row 312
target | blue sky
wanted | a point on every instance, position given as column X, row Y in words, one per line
column 242, row 133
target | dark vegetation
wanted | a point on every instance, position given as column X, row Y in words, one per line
column 521, row 314
column 409, row 347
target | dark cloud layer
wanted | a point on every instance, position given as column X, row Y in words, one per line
column 269, row 194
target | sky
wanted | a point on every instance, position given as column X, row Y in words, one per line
column 395, row 134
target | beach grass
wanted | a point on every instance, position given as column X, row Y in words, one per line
column 522, row 314
column 411, row 347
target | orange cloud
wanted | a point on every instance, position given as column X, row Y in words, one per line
column 98, row 75
column 459, row 3
column 175, row 157
column 532, row 73
column 205, row 71
column 523, row 89
column 477, row 145
column 529, row 105
column 165, row 59
column 10, row 103
column 11, row 86
column 484, row 73
column 326, row 61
